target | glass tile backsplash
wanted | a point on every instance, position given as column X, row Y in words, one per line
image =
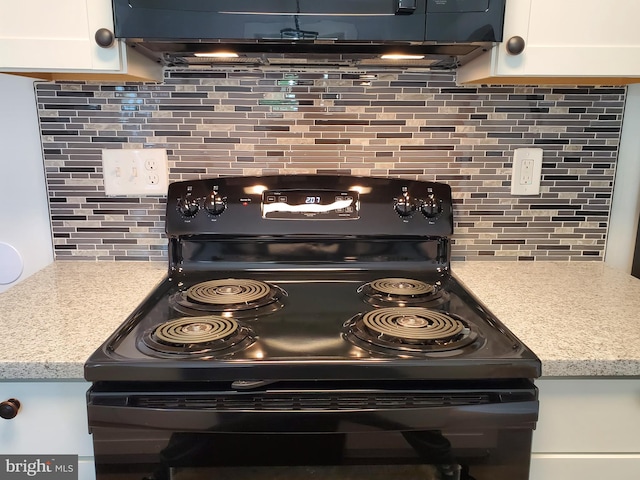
column 410, row 125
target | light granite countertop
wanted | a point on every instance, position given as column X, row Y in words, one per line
column 581, row 319
column 56, row 318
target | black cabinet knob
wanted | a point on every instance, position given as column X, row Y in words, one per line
column 515, row 45
column 9, row 408
column 104, row 37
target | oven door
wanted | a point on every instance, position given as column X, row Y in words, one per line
column 293, row 431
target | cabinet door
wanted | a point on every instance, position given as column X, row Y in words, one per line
column 574, row 37
column 587, row 430
column 588, row 416
column 584, row 467
column 568, row 38
column 58, row 35
column 52, row 419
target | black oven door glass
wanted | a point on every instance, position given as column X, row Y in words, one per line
column 149, row 455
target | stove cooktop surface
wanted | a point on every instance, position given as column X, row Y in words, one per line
column 239, row 325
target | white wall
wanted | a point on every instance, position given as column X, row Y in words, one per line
column 625, row 208
column 24, row 210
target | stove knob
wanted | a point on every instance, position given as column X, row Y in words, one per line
column 431, row 207
column 9, row 408
column 188, row 206
column 404, row 205
column 215, row 204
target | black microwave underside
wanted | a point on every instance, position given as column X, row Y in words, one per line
column 353, row 33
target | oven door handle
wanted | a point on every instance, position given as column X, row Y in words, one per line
column 522, row 414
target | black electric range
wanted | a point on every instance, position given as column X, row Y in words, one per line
column 312, row 305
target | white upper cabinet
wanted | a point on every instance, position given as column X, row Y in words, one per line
column 569, row 41
column 56, row 39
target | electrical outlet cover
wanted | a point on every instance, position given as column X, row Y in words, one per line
column 135, row 171
column 526, row 171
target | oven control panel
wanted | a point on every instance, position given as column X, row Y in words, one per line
column 309, row 205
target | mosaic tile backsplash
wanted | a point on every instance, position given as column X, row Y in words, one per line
column 409, row 125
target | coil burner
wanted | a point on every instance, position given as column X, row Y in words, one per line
column 410, row 331
column 402, row 292
column 201, row 336
column 229, row 297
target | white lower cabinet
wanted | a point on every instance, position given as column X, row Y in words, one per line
column 559, row 466
column 588, row 430
column 52, row 420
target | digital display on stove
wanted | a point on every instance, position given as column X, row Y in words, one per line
column 310, row 204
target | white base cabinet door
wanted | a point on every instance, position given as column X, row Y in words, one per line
column 587, row 430
column 584, row 467
column 52, row 420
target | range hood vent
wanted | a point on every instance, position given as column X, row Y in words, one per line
column 437, row 34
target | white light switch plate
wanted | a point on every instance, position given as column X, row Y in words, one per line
column 526, row 171
column 135, row 171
